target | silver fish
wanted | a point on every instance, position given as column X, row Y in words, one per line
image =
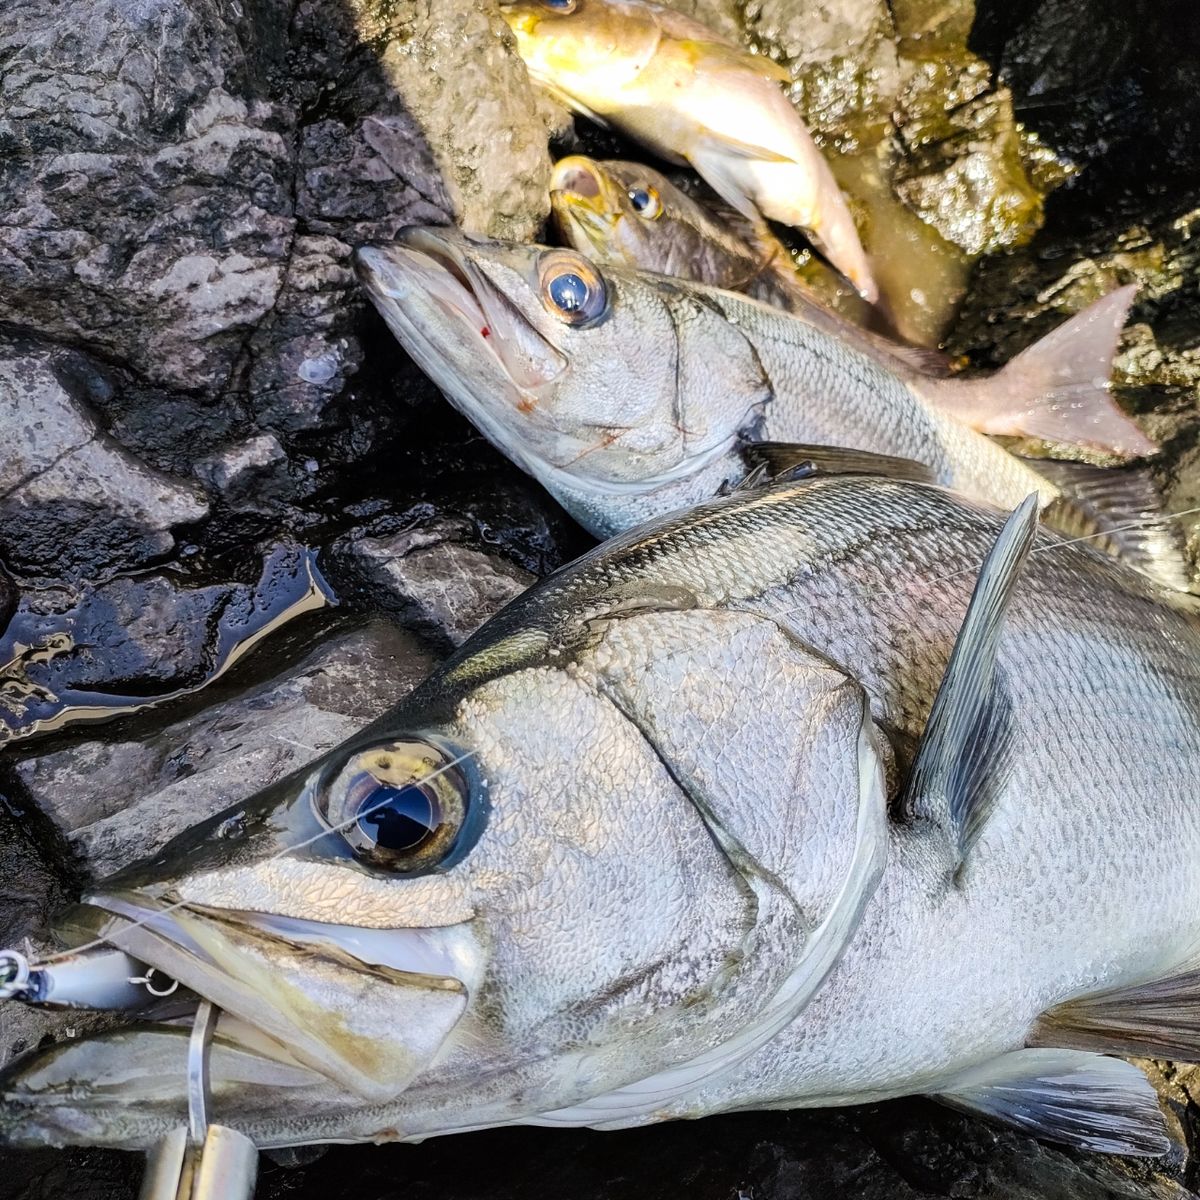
column 628, row 394
column 642, row 849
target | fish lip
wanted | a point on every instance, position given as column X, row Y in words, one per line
column 423, row 262
column 581, row 197
column 218, row 955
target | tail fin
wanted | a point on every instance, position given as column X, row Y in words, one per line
column 1057, row 389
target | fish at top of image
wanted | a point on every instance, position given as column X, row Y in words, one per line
column 626, row 213
column 693, row 97
column 628, row 394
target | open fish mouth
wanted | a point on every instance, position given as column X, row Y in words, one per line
column 431, row 293
column 312, row 1017
column 582, row 201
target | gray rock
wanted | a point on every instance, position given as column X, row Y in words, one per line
column 430, row 579
column 71, row 500
column 117, row 801
column 185, row 180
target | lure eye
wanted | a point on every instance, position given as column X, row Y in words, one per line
column 572, row 289
column 401, row 807
column 561, row 6
column 646, row 202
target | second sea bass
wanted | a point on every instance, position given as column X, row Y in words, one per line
column 692, row 97
column 629, row 394
column 628, row 214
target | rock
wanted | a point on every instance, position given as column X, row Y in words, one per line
column 971, row 185
column 119, row 800
column 240, row 471
column 71, row 500
column 430, row 579
column 185, row 182
column 72, row 655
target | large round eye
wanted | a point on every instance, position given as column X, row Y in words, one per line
column 399, row 806
column 572, row 289
column 560, row 6
column 646, row 202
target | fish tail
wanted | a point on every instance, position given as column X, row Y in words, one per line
column 1057, row 389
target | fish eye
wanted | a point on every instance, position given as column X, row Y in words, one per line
column 401, row 807
column 560, row 6
column 646, row 202
column 572, row 289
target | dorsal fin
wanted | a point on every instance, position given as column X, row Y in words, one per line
column 961, row 757
column 783, row 458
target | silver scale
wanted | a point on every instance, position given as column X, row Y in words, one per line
column 198, row 1161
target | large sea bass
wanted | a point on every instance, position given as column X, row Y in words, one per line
column 749, row 808
column 628, row 394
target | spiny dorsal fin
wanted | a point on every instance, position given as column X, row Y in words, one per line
column 1159, row 1018
column 784, row 458
column 961, row 756
column 1082, row 1100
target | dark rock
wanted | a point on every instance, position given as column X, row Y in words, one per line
column 430, row 579
column 71, row 500
column 72, row 655
column 117, row 801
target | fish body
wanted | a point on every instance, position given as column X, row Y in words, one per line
column 680, row 875
column 628, row 214
column 628, row 394
column 692, row 97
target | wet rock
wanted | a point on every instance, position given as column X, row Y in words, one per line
column 71, row 500
column 71, row 655
column 430, row 579
column 118, row 800
column 971, row 185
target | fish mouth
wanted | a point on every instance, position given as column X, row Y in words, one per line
column 313, row 1017
column 582, row 200
column 429, row 290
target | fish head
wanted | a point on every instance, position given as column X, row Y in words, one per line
column 442, row 927
column 595, row 381
column 615, row 212
column 584, row 51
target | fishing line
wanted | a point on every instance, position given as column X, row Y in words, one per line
column 1142, row 523
column 143, row 922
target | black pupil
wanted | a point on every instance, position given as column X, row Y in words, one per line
column 639, row 199
column 568, row 292
column 398, row 818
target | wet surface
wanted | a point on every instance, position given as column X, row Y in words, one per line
column 184, row 190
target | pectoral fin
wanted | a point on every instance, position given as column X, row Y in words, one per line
column 1082, row 1100
column 798, row 459
column 962, row 756
column 716, row 157
column 1156, row 1019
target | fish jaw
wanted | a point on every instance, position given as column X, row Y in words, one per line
column 314, row 1017
column 585, row 207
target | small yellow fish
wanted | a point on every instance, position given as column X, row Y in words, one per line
column 692, row 97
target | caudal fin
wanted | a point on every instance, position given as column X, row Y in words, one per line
column 1057, row 389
